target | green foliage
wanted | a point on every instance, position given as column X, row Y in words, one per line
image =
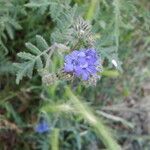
column 9, row 12
column 120, row 30
column 98, row 125
column 60, row 12
column 6, row 66
column 34, row 58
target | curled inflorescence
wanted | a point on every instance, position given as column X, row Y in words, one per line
column 83, row 63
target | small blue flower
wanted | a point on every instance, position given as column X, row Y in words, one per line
column 82, row 63
column 42, row 127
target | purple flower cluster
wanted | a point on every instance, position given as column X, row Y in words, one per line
column 42, row 127
column 82, row 63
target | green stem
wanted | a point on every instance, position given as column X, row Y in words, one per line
column 55, row 139
column 91, row 10
column 101, row 130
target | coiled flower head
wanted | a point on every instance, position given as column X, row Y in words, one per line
column 83, row 63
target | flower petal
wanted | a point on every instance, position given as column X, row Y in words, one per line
column 68, row 67
column 85, row 75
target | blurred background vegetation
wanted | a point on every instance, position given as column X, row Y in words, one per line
column 78, row 117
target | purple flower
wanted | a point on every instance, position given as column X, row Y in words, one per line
column 82, row 63
column 42, row 127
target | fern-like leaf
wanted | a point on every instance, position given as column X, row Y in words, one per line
column 35, row 58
